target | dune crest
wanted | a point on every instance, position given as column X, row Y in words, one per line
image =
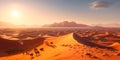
column 86, row 41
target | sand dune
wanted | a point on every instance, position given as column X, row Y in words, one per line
column 67, row 47
column 9, row 47
column 116, row 45
column 86, row 41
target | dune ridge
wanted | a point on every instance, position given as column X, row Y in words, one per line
column 86, row 41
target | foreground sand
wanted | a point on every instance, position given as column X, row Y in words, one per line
column 65, row 48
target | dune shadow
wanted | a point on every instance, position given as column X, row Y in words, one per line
column 11, row 47
column 86, row 41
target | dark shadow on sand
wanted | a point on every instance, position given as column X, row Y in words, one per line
column 86, row 41
column 11, row 47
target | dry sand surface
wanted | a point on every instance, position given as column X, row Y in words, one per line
column 65, row 48
column 10, row 47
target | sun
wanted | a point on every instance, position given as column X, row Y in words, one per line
column 15, row 13
column 16, row 17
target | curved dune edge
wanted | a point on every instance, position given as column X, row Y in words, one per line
column 116, row 46
column 78, row 48
column 85, row 41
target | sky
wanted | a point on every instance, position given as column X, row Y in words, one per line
column 40, row 12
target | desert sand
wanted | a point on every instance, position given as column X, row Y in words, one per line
column 66, row 47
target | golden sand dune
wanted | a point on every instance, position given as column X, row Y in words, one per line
column 67, row 47
column 116, row 46
column 9, row 47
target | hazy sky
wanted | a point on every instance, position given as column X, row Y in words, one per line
column 39, row 12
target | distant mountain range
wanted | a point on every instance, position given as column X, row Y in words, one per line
column 66, row 24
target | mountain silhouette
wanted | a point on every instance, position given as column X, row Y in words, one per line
column 66, row 24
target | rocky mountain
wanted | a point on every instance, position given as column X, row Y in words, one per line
column 66, row 24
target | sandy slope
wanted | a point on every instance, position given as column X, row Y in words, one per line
column 9, row 47
column 66, row 48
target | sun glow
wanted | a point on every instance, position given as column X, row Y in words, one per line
column 16, row 17
column 15, row 13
